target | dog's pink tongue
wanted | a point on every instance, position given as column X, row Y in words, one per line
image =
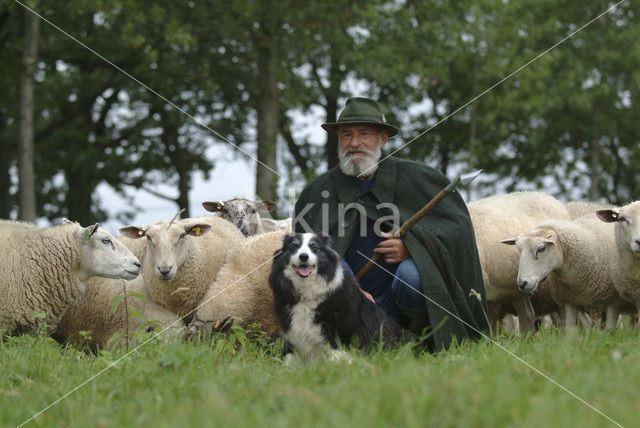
column 304, row 270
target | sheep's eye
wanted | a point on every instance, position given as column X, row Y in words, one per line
column 622, row 219
column 540, row 249
column 148, row 238
column 182, row 235
column 106, row 241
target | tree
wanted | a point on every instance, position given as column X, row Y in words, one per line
column 25, row 113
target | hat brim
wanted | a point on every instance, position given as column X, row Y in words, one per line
column 334, row 126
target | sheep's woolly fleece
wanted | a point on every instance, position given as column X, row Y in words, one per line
column 183, row 258
column 502, row 216
column 44, row 270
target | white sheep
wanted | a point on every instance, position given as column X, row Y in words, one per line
column 580, row 256
column 183, row 258
column 44, row 270
column 502, row 216
column 581, row 208
column 241, row 291
column 91, row 320
column 626, row 221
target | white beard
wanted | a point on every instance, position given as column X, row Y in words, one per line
column 367, row 165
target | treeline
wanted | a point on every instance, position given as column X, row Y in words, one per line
column 248, row 69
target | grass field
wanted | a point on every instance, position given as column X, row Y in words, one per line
column 239, row 382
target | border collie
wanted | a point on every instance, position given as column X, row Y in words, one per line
column 319, row 305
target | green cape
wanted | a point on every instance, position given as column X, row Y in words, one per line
column 442, row 243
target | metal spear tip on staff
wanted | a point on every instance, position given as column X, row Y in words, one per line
column 463, row 179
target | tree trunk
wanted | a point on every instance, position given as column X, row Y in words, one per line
column 5, row 178
column 332, row 94
column 267, row 51
column 170, row 134
column 79, row 197
column 26, row 188
column 594, row 189
column 473, row 123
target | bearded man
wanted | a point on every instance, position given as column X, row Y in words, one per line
column 426, row 278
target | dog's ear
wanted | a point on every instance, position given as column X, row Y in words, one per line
column 288, row 239
column 325, row 239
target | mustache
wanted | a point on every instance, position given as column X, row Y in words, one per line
column 358, row 150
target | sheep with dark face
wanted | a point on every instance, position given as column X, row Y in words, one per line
column 245, row 214
column 44, row 270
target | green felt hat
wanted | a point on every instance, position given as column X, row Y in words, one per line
column 361, row 110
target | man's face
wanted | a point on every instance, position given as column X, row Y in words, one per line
column 360, row 148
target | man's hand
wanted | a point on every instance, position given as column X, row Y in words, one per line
column 392, row 249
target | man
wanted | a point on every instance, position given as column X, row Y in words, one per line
column 368, row 196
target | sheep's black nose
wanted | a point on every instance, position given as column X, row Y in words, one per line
column 523, row 285
column 165, row 271
column 137, row 264
column 303, row 257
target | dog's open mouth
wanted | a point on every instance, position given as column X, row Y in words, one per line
column 303, row 270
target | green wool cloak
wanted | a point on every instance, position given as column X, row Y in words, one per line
column 442, row 243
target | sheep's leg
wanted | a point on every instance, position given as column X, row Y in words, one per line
column 570, row 316
column 526, row 314
column 585, row 319
column 611, row 318
column 556, row 318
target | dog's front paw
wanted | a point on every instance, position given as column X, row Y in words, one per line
column 339, row 355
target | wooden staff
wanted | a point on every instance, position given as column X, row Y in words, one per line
column 461, row 179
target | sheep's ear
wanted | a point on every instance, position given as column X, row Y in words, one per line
column 268, row 205
column 197, row 229
column 510, row 241
column 89, row 231
column 66, row 221
column 133, row 232
column 608, row 216
column 213, row 207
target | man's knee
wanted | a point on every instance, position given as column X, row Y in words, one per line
column 408, row 286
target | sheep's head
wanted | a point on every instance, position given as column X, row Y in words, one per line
column 627, row 225
column 243, row 213
column 103, row 255
column 539, row 256
column 167, row 244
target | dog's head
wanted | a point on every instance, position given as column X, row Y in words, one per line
column 309, row 254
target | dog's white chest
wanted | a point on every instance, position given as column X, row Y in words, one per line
column 304, row 334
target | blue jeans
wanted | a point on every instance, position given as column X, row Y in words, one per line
column 405, row 289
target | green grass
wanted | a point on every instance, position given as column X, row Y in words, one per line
column 240, row 383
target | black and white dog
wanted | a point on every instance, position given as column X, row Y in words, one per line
column 318, row 304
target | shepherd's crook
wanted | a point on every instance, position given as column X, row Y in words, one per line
column 461, row 179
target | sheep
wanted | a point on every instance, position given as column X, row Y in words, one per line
column 93, row 313
column 581, row 208
column 578, row 254
column 270, row 225
column 626, row 224
column 244, row 213
column 499, row 217
column 241, row 291
column 44, row 270
column 182, row 258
